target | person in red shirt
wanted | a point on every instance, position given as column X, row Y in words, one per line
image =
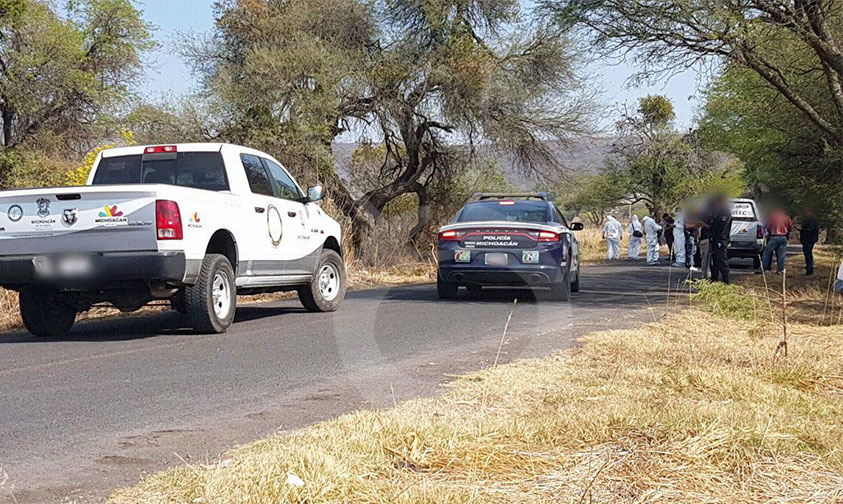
column 779, row 226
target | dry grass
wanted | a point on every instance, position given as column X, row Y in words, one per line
column 678, row 411
column 811, row 300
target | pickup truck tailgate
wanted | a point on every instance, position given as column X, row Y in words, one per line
column 76, row 220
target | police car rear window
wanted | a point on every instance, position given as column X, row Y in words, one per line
column 199, row 170
column 510, row 211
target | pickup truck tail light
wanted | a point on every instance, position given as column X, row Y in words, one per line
column 760, row 232
column 168, row 220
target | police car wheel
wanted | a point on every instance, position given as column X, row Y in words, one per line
column 212, row 301
column 327, row 288
column 44, row 313
column 575, row 285
column 446, row 290
column 561, row 291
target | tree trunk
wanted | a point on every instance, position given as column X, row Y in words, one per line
column 422, row 216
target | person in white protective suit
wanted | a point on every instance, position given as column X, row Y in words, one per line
column 651, row 231
column 838, row 284
column 613, row 232
column 636, row 232
column 679, row 240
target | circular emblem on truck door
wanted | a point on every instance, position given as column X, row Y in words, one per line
column 15, row 213
column 274, row 224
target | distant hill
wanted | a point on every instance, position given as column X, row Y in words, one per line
column 580, row 156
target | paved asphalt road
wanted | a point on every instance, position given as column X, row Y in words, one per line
column 121, row 397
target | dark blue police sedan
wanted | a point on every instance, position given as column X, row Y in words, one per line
column 510, row 240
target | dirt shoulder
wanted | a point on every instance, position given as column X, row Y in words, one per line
column 693, row 408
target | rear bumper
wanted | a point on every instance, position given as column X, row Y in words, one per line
column 510, row 276
column 549, row 270
column 745, row 249
column 107, row 270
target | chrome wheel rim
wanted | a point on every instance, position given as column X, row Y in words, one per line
column 221, row 294
column 329, row 282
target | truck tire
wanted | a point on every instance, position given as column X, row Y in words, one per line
column 327, row 288
column 44, row 313
column 212, row 301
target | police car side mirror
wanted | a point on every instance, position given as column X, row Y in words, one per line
column 315, row 193
column 577, row 226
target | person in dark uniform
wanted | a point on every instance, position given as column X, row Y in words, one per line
column 809, row 235
column 720, row 228
column 667, row 231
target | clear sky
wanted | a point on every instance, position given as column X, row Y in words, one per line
column 167, row 73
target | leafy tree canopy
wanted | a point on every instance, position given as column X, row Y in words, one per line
column 61, row 78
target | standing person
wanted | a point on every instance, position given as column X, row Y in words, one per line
column 720, row 230
column 613, row 232
column 690, row 240
column 838, row 284
column 651, row 230
column 705, row 243
column 679, row 240
column 809, row 235
column 779, row 226
column 667, row 232
column 636, row 232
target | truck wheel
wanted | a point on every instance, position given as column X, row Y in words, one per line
column 212, row 301
column 446, row 290
column 327, row 289
column 44, row 313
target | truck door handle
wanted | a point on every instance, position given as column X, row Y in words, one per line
column 291, row 214
column 260, row 209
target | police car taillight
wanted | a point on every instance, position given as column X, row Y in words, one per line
column 448, row 235
column 548, row 236
column 168, row 220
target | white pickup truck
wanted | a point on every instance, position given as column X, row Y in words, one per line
column 196, row 224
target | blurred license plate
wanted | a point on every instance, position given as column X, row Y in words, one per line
column 462, row 256
column 65, row 266
column 497, row 259
column 530, row 257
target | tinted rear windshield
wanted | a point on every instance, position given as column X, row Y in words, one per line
column 743, row 210
column 200, row 170
column 512, row 211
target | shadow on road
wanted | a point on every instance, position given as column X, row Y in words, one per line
column 624, row 283
column 143, row 326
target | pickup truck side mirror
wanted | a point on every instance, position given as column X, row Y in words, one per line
column 577, row 226
column 315, row 193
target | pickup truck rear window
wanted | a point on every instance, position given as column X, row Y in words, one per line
column 743, row 211
column 199, row 170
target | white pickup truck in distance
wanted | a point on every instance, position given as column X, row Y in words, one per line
column 196, row 224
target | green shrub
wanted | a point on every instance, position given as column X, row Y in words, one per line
column 728, row 300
